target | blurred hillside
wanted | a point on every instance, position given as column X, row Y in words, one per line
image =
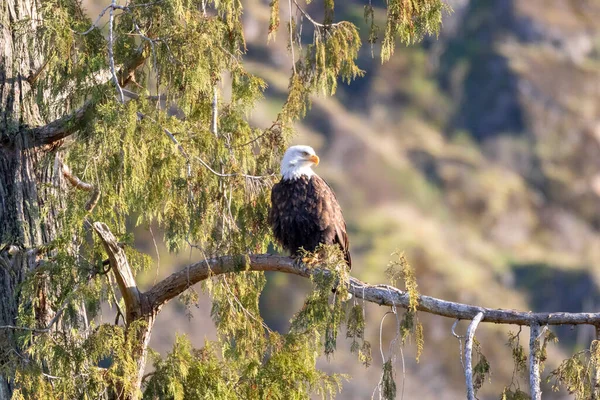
column 477, row 154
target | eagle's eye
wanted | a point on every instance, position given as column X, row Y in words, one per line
column 305, row 153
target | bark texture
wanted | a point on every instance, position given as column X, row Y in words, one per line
column 29, row 174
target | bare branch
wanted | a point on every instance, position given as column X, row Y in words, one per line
column 469, row 355
column 75, row 181
column 79, row 184
column 123, row 274
column 111, row 57
column 311, row 19
column 534, row 361
column 387, row 295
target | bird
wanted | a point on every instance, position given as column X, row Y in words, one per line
column 304, row 210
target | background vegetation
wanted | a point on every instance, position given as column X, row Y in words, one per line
column 477, row 155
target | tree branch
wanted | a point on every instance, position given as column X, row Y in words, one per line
column 387, row 295
column 79, row 184
column 71, row 123
column 534, row 361
column 123, row 274
column 469, row 354
column 312, row 20
column 62, row 127
column 111, row 58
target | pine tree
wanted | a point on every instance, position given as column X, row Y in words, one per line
column 102, row 126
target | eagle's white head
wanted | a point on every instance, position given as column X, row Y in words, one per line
column 298, row 161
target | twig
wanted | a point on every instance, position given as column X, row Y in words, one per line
column 315, row 23
column 292, row 37
column 225, row 175
column 380, row 383
column 246, row 311
column 276, row 123
column 111, row 58
column 468, row 355
column 95, row 24
column 148, row 375
column 460, row 345
column 215, row 110
column 169, row 134
column 136, row 96
column 113, row 6
column 79, row 184
column 187, row 156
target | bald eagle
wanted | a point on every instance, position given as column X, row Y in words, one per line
column 304, row 211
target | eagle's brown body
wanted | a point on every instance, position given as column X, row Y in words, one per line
column 305, row 213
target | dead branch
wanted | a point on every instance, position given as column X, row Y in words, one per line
column 111, row 58
column 75, row 181
column 123, row 274
column 79, row 184
column 312, row 20
column 387, row 295
column 469, row 354
column 534, row 361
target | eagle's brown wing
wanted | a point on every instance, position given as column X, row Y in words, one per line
column 332, row 223
column 305, row 213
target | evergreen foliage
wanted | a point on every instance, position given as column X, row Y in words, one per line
column 401, row 270
column 180, row 155
column 577, row 373
column 482, row 369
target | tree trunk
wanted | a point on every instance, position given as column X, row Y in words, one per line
column 29, row 174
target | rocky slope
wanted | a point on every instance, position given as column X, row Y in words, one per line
column 478, row 154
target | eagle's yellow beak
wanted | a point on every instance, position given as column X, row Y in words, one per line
column 314, row 159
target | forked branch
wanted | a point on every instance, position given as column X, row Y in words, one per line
column 123, row 274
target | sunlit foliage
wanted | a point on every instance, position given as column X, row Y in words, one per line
column 180, row 154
